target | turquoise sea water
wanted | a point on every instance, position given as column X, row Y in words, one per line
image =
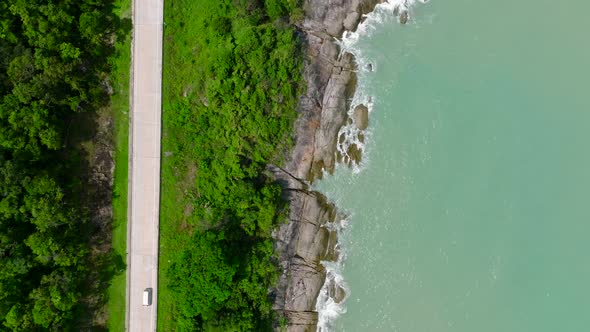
column 472, row 210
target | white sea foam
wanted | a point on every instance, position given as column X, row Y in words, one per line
column 328, row 309
column 383, row 12
column 349, row 134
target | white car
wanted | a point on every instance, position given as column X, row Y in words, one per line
column 147, row 297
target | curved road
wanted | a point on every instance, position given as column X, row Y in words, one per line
column 144, row 186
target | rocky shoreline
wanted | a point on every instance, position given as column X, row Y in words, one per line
column 307, row 238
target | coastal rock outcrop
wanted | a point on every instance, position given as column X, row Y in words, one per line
column 302, row 243
column 403, row 17
column 331, row 81
column 307, row 238
column 335, row 291
column 361, row 116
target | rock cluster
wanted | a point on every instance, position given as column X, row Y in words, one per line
column 305, row 241
column 361, row 116
column 331, row 81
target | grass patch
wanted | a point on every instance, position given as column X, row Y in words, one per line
column 120, row 77
column 173, row 189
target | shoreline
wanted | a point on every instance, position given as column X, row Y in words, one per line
column 307, row 238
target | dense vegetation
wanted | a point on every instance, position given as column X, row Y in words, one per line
column 53, row 67
column 231, row 78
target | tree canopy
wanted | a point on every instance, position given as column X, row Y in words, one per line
column 52, row 67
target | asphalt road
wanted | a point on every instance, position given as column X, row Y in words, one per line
column 145, row 133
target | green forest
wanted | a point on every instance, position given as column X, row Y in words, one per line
column 232, row 76
column 53, row 79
